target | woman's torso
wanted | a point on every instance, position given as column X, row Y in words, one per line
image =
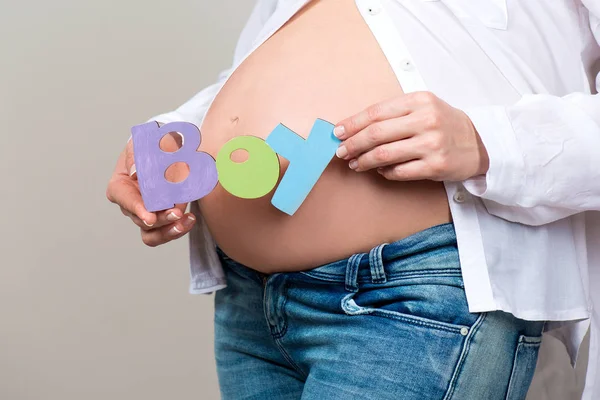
column 323, row 63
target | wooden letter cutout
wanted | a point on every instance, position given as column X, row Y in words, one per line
column 151, row 163
column 308, row 159
column 252, row 178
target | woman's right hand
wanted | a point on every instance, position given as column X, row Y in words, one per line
column 123, row 189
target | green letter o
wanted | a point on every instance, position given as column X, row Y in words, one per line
column 252, row 178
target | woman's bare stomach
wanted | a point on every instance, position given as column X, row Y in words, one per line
column 324, row 63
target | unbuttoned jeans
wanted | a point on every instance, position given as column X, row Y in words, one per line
column 392, row 323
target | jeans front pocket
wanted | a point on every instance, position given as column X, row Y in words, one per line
column 525, row 361
column 434, row 300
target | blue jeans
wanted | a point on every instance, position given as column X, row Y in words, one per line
column 392, row 323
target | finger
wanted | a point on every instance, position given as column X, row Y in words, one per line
column 376, row 134
column 408, row 171
column 385, row 155
column 394, row 107
column 135, row 219
column 130, row 160
column 170, row 232
column 169, row 216
column 163, row 218
column 125, row 192
column 143, row 226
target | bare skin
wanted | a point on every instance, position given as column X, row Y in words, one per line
column 324, row 63
column 386, row 181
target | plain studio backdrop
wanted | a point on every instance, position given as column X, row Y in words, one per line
column 86, row 310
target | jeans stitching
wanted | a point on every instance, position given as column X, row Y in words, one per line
column 413, row 320
column 280, row 335
column 416, row 321
column 351, row 273
column 381, row 262
column 411, row 274
column 463, row 356
column 522, row 342
column 512, row 371
column 284, row 327
column 378, row 275
column 288, row 358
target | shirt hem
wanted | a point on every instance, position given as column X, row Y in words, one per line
column 208, row 289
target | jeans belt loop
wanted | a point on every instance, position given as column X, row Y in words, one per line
column 351, row 284
column 376, row 264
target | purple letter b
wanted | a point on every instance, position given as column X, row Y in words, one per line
column 151, row 163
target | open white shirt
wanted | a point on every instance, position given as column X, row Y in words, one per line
column 527, row 74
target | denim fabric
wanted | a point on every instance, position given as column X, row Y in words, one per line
column 392, row 323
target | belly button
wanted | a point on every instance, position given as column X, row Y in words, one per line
column 234, row 120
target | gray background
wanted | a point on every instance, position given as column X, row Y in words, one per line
column 86, row 310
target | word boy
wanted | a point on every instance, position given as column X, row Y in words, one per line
column 250, row 179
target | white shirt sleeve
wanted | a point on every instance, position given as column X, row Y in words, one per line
column 544, row 151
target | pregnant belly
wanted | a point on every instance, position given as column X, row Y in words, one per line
column 323, row 63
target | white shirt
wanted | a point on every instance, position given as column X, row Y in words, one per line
column 525, row 72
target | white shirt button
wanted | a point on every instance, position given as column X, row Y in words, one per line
column 406, row 64
column 459, row 196
column 374, row 10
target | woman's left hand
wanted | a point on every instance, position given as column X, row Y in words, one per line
column 413, row 137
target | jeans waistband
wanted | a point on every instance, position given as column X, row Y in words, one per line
column 369, row 267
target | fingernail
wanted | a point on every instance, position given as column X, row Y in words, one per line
column 338, row 131
column 173, row 217
column 174, row 231
column 189, row 221
column 341, row 152
column 353, row 164
column 129, row 140
column 147, row 224
column 132, row 170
